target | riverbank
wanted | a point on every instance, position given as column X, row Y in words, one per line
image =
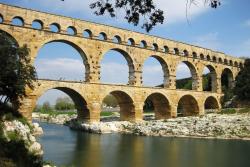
column 221, row 126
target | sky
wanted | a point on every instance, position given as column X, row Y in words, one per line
column 225, row 29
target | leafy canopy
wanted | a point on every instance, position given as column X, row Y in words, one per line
column 16, row 73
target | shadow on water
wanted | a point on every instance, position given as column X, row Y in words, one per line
column 66, row 147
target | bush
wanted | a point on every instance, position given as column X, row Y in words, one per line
column 228, row 111
column 244, row 110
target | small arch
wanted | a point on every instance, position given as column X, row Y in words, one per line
column 87, row 33
column 1, row 18
column 71, row 30
column 211, row 105
column 241, row 65
column 220, row 60
column 194, row 55
column 155, row 47
column 225, row 61
column 18, row 21
column 102, row 36
column 55, row 27
column 126, row 105
column 187, row 106
column 236, row 64
column 208, row 58
column 202, row 57
column 185, row 52
column 176, row 51
column 143, row 44
column 117, row 39
column 165, row 49
column 131, row 42
column 159, row 104
column 214, row 59
column 230, row 62
column 37, row 24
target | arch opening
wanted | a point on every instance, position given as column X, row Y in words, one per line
column 1, row 18
column 131, row 42
column 186, row 76
column 117, row 67
column 143, row 44
column 18, row 21
column 37, row 24
column 202, row 57
column 155, row 47
column 166, row 49
column 62, row 100
column 117, row 39
column 62, row 60
column 194, row 55
column 226, row 79
column 71, row 30
column 102, row 36
column 209, row 79
column 123, row 104
column 185, row 52
column 87, row 33
column 208, row 58
column 220, row 60
column 159, row 105
column 211, row 105
column 155, row 72
column 54, row 27
column 187, row 106
column 176, row 51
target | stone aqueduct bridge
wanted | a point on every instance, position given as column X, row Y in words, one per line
column 136, row 48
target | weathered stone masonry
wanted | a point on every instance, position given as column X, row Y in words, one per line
column 136, row 48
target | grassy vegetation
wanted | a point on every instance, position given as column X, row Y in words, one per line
column 233, row 111
column 244, row 110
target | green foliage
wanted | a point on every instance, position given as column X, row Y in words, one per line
column 207, row 82
column 110, row 101
column 228, row 111
column 244, row 110
column 64, row 103
column 228, row 94
column 242, row 86
column 17, row 73
column 185, row 83
column 107, row 113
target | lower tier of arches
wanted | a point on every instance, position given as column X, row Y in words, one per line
column 132, row 101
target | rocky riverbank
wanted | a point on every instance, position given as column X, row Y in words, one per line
column 224, row 126
column 56, row 119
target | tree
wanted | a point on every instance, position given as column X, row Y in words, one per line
column 242, row 86
column 16, row 74
column 64, row 103
column 137, row 10
column 110, row 101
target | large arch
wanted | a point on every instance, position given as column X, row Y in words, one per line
column 185, row 79
column 129, row 60
column 126, row 105
column 187, row 106
column 13, row 39
column 209, row 78
column 84, row 57
column 227, row 79
column 159, row 104
column 83, row 112
column 165, row 71
column 211, row 104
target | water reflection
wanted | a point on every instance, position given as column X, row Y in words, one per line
column 66, row 147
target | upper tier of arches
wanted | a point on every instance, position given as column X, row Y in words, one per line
column 79, row 28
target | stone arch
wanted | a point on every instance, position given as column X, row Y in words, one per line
column 102, row 36
column 37, row 24
column 160, row 105
column 1, row 18
column 225, row 61
column 211, row 104
column 214, row 59
column 227, row 79
column 84, row 56
column 165, row 49
column 165, row 69
column 208, row 58
column 71, row 30
column 15, row 41
column 187, row 106
column 236, row 64
column 155, row 47
column 194, row 54
column 194, row 74
column 87, row 33
column 202, row 57
column 117, row 39
column 176, row 51
column 126, row 104
column 83, row 112
column 185, row 52
column 131, row 42
column 241, row 65
column 55, row 27
column 19, row 21
column 230, row 62
column 129, row 60
column 143, row 44
column 212, row 84
column 220, row 60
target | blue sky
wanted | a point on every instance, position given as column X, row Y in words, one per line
column 226, row 29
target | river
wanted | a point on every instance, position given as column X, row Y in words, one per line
column 65, row 147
